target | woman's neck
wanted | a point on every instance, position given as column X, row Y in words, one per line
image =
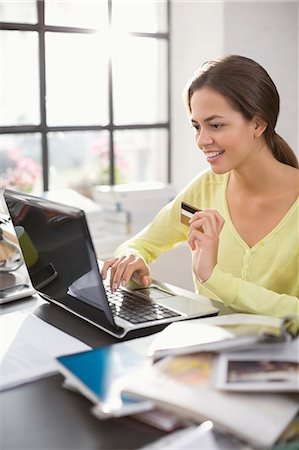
column 263, row 175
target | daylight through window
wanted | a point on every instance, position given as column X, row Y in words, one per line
column 84, row 93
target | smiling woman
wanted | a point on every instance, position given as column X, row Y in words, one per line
column 226, row 133
column 249, row 90
column 244, row 239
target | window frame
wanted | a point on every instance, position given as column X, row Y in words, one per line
column 111, row 127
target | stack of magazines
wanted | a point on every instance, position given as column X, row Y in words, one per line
column 239, row 371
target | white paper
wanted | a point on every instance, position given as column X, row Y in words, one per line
column 184, row 336
column 214, row 334
column 161, row 419
column 197, row 437
column 142, row 344
column 243, row 319
column 29, row 346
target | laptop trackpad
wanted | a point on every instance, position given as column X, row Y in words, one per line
column 182, row 304
column 153, row 293
column 186, row 305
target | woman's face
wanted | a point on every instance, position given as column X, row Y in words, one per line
column 223, row 134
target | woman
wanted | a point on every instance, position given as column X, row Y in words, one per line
column 244, row 241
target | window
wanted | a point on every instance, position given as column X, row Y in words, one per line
column 84, row 93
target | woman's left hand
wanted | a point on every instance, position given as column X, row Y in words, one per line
column 203, row 239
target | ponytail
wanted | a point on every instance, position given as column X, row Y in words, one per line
column 281, row 150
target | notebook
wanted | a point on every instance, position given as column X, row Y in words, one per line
column 63, row 268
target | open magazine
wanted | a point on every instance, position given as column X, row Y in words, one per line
column 184, row 385
column 230, row 332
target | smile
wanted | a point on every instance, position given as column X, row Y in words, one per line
column 211, row 156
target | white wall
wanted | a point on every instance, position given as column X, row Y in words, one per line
column 196, row 35
column 201, row 30
column 268, row 33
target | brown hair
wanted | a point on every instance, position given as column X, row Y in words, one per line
column 251, row 91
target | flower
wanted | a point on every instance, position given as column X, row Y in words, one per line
column 100, row 150
column 21, row 173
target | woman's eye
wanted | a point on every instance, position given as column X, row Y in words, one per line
column 216, row 126
column 196, row 127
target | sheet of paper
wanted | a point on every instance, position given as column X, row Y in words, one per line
column 142, row 344
column 29, row 346
column 200, row 437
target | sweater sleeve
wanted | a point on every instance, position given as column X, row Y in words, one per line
column 247, row 297
column 162, row 234
column 166, row 229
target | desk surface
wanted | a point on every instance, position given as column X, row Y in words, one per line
column 43, row 415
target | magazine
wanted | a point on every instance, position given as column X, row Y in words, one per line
column 230, row 332
column 96, row 374
column 182, row 384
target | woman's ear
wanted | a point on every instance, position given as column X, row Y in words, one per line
column 259, row 126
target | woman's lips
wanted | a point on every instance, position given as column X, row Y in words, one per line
column 214, row 156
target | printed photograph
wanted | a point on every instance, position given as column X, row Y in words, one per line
column 262, row 371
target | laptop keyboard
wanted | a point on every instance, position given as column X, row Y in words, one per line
column 135, row 310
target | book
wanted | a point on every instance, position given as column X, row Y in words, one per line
column 97, row 375
column 221, row 333
column 182, row 385
column 274, row 369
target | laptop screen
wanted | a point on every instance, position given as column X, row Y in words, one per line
column 59, row 255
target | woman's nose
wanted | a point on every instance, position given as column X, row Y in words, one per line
column 203, row 138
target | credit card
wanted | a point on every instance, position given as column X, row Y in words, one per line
column 187, row 212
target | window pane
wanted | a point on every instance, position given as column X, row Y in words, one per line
column 18, row 11
column 142, row 15
column 21, row 166
column 76, row 79
column 19, row 93
column 78, row 159
column 140, row 80
column 85, row 14
column 141, row 155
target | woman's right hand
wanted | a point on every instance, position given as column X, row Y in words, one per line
column 125, row 268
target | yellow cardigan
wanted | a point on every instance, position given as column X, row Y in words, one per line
column 263, row 279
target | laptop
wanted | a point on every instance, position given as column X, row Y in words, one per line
column 65, row 271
